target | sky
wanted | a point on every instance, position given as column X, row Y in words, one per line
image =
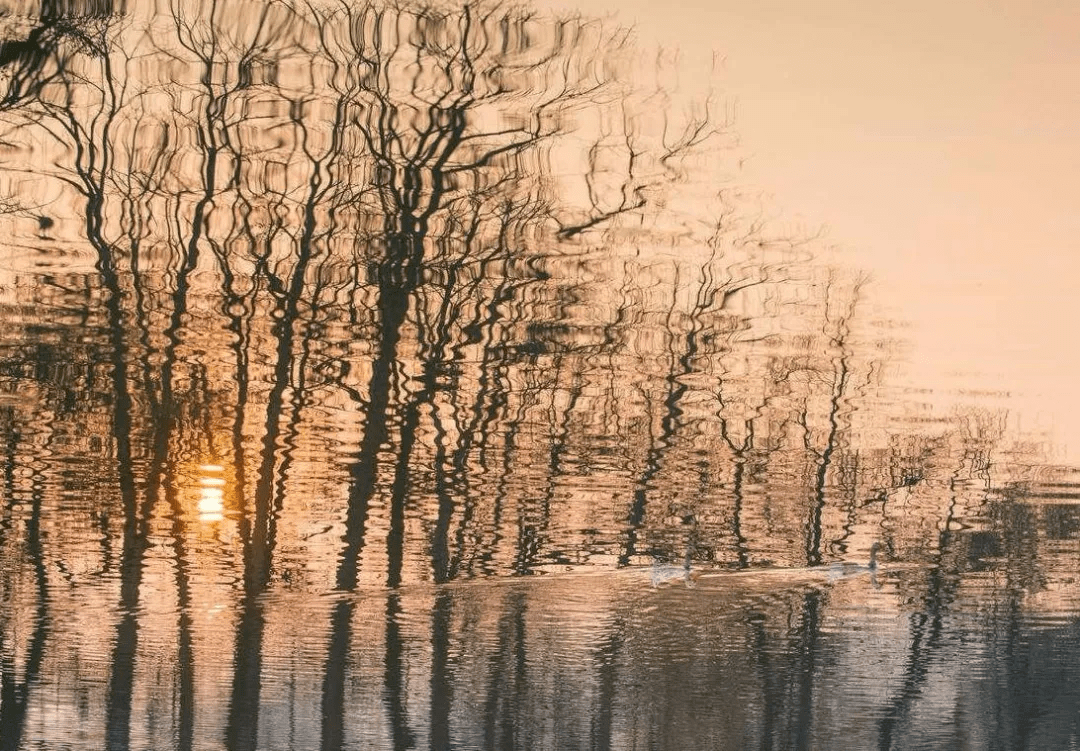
column 938, row 142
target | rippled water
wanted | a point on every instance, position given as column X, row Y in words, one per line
column 379, row 376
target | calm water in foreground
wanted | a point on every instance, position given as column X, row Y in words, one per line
column 418, row 377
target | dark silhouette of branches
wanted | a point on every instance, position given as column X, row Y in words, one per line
column 627, row 169
column 838, row 379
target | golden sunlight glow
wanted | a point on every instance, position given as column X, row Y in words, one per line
column 211, row 494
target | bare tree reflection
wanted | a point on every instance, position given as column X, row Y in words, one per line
column 14, row 694
column 839, row 384
column 410, row 279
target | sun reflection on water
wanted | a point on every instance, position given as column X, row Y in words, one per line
column 211, row 493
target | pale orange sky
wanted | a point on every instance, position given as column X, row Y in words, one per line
column 938, row 142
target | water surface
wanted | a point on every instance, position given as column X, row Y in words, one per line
column 420, row 377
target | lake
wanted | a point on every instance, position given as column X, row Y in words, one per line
column 399, row 376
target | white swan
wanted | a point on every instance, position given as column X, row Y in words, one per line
column 662, row 573
column 845, row 569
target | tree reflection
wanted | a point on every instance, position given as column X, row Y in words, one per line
column 14, row 695
column 412, row 280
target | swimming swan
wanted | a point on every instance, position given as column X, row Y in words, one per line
column 845, row 568
column 662, row 573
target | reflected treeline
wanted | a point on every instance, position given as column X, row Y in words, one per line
column 320, row 298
